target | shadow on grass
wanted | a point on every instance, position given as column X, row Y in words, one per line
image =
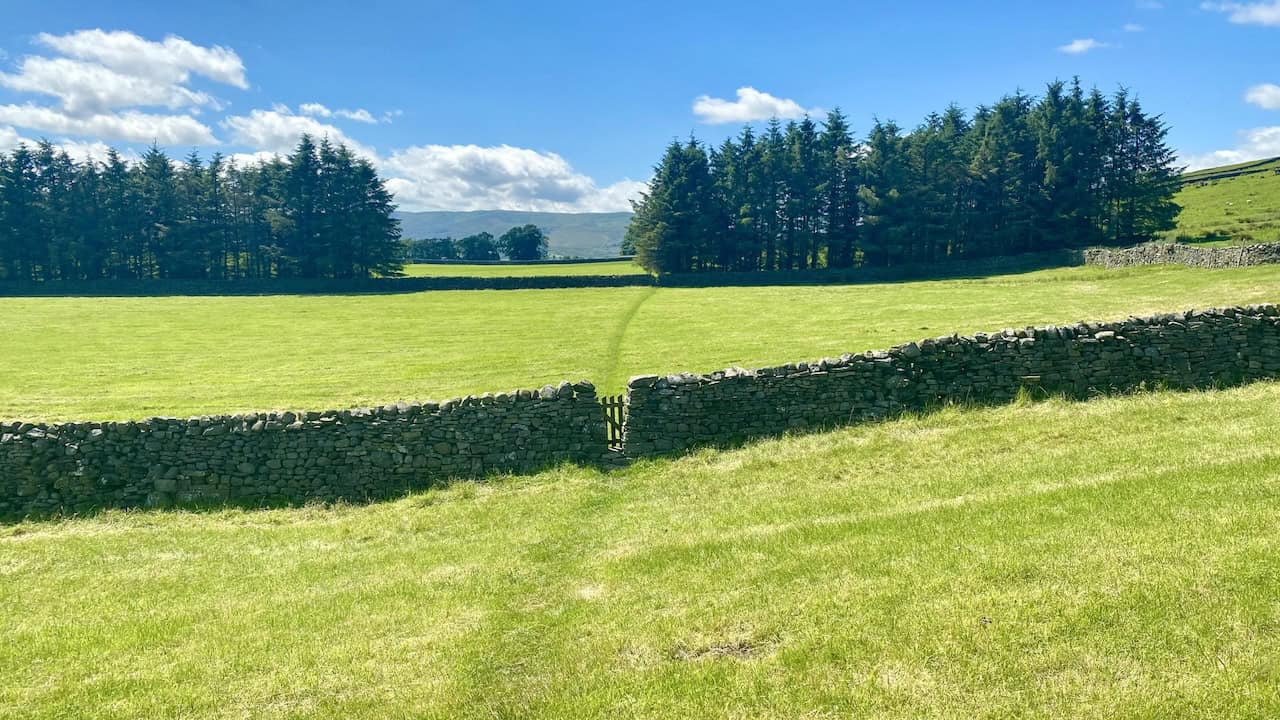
column 616, row 461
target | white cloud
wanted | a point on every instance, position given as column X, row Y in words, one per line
column 470, row 177
column 278, row 130
column 1265, row 96
column 1081, row 46
column 751, row 105
column 319, row 110
column 172, row 60
column 128, row 126
column 1133, row 28
column 85, row 88
column 359, row 115
column 313, row 109
column 1255, row 144
column 1259, row 13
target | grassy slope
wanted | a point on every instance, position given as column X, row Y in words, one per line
column 621, row 267
column 1243, row 209
column 1117, row 558
column 81, row 358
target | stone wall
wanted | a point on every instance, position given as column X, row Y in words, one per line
column 1180, row 350
column 1166, row 253
column 259, row 459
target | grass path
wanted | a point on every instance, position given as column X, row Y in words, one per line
column 613, row 351
column 120, row 358
column 1111, row 559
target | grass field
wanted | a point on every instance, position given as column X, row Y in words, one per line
column 118, row 358
column 1117, row 558
column 1237, row 210
column 619, row 267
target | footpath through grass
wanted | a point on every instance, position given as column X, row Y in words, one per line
column 1117, row 558
column 119, row 358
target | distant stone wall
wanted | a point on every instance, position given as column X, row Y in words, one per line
column 1180, row 350
column 1169, row 253
column 294, row 457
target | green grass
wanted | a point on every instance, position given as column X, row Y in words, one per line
column 1117, row 558
column 1237, row 210
column 620, row 267
column 118, row 358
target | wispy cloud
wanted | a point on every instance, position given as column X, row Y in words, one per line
column 1133, row 28
column 1081, row 46
column 1260, row 13
column 1255, row 144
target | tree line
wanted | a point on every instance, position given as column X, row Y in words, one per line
column 1069, row 169
column 521, row 243
column 321, row 212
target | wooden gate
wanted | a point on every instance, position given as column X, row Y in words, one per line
column 615, row 411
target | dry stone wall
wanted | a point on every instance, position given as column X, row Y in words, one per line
column 294, row 457
column 1167, row 253
column 1180, row 350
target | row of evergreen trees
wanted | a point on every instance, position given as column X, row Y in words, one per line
column 1070, row 169
column 321, row 212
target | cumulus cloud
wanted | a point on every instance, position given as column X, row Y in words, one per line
column 1254, row 144
column 278, row 130
column 1265, row 96
column 85, row 88
column 1081, row 46
column 103, row 78
column 751, row 105
column 129, row 126
column 172, row 60
column 470, row 177
column 1259, row 13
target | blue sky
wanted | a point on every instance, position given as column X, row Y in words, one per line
column 565, row 106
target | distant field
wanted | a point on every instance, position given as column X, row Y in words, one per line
column 620, row 267
column 117, row 358
column 1244, row 209
column 1116, row 558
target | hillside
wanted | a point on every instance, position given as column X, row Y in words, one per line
column 572, row 234
column 968, row 563
column 1231, row 204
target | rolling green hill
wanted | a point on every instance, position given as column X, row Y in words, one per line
column 1235, row 204
column 585, row 235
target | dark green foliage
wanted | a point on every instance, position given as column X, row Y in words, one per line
column 478, row 248
column 320, row 213
column 1066, row 170
column 431, row 249
column 522, row 243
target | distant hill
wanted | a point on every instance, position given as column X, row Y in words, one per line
column 572, row 234
column 1231, row 204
